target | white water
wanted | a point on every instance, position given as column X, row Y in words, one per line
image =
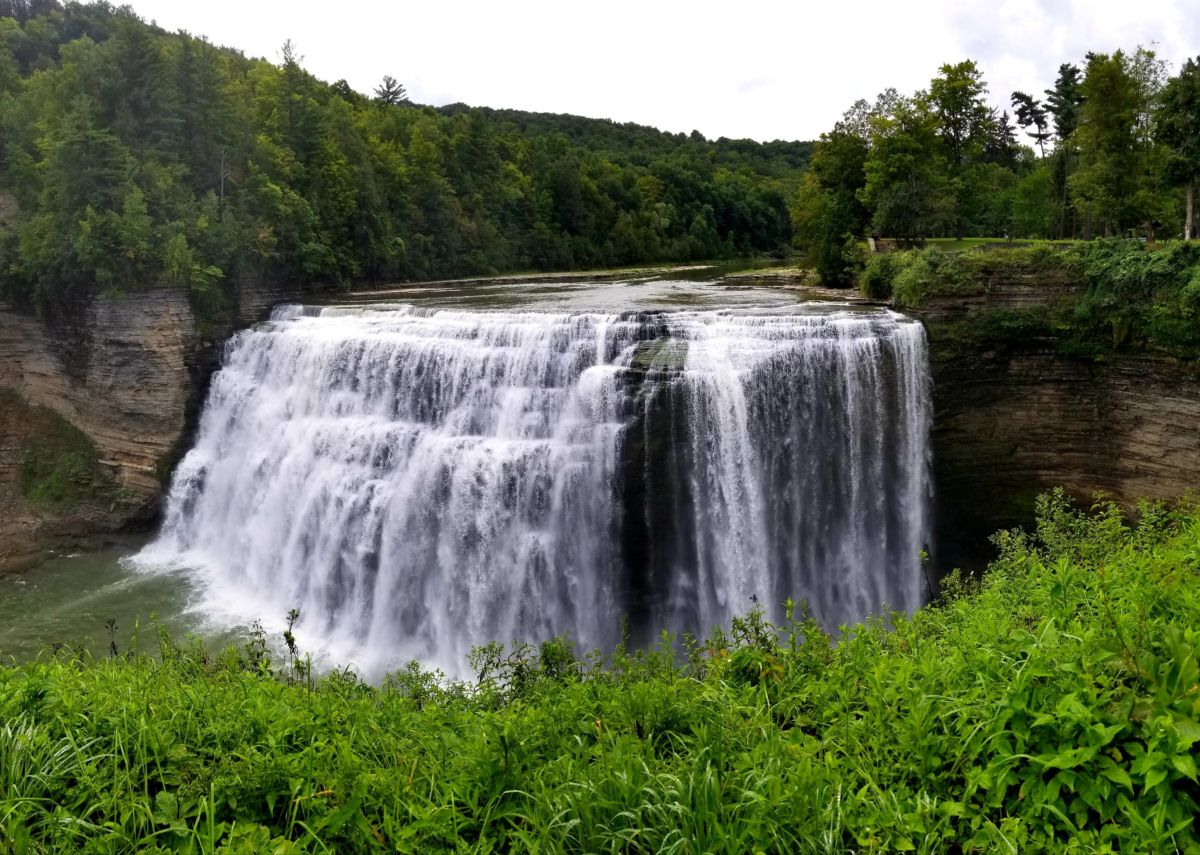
column 417, row 481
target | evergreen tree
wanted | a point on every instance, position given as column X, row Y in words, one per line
column 1001, row 146
column 390, row 92
column 1031, row 113
column 1064, row 100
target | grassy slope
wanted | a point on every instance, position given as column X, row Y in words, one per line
column 57, row 465
column 1055, row 706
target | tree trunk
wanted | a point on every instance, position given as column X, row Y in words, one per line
column 1189, row 224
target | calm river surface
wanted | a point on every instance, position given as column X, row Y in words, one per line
column 70, row 598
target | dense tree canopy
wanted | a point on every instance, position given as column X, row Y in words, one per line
column 130, row 155
column 1179, row 128
column 1117, row 154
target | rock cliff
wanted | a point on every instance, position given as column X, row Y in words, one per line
column 1015, row 416
column 129, row 374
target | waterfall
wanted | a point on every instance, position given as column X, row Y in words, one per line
column 416, row 481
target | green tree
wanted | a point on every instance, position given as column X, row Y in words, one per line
column 964, row 120
column 1113, row 147
column 1063, row 103
column 1031, row 113
column 1064, row 100
column 839, row 216
column 906, row 186
column 1001, row 145
column 390, row 92
column 1179, row 128
column 964, row 125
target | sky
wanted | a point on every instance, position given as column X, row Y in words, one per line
column 762, row 70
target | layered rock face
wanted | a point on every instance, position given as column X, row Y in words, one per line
column 1014, row 419
column 130, row 374
column 122, row 376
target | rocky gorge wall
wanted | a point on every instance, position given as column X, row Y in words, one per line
column 1016, row 416
column 129, row 373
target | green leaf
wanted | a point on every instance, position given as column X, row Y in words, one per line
column 1118, row 775
column 952, row 808
column 1068, row 759
column 166, row 807
column 1189, row 729
column 1185, row 764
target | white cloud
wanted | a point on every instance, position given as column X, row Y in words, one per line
column 756, row 68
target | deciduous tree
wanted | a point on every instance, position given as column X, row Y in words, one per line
column 1179, row 128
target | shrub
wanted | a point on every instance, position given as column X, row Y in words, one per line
column 910, row 277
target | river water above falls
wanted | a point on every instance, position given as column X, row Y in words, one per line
column 427, row 473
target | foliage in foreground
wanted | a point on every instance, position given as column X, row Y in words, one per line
column 1052, row 705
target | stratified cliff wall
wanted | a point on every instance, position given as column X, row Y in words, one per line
column 130, row 373
column 121, row 376
column 1015, row 416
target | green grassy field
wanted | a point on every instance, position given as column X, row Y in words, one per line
column 963, row 244
column 1052, row 706
column 960, row 244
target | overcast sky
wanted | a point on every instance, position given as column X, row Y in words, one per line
column 739, row 68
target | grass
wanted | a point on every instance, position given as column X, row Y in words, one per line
column 1000, row 242
column 960, row 244
column 1052, row 705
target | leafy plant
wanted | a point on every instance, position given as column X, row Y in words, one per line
column 1051, row 704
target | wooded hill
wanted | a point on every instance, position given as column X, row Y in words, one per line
column 1115, row 153
column 131, row 155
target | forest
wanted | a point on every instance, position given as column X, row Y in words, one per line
column 132, row 156
column 1115, row 153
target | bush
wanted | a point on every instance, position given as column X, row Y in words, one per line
column 910, row 277
column 1139, row 296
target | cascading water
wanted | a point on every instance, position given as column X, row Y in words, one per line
column 417, row 481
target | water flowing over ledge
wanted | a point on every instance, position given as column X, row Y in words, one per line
column 420, row 480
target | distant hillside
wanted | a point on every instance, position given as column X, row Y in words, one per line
column 777, row 159
column 132, row 155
